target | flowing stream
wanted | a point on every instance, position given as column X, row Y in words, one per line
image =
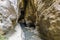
column 29, row 34
column 21, row 33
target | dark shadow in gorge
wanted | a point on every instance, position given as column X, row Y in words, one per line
column 23, row 12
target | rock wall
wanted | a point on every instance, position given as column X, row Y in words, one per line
column 8, row 16
column 45, row 15
column 49, row 25
column 10, row 29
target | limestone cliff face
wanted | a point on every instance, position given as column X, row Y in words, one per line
column 10, row 29
column 8, row 15
column 45, row 15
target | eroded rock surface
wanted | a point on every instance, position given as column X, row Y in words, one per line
column 9, row 15
column 45, row 15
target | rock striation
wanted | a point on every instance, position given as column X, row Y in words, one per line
column 45, row 15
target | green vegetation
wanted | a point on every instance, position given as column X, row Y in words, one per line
column 2, row 37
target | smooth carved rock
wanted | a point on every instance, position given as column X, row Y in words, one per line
column 7, row 15
column 9, row 20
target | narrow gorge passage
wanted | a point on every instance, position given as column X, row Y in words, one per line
column 30, row 19
column 29, row 33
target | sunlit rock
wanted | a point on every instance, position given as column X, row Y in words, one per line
column 9, row 15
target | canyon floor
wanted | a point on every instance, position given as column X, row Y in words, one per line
column 29, row 33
